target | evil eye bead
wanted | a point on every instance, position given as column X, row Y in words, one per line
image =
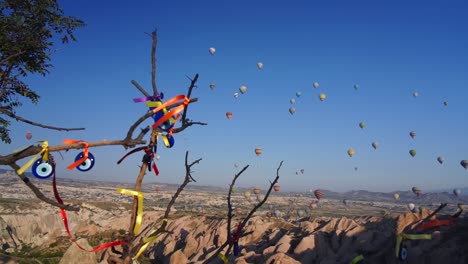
column 87, row 164
column 42, row 169
column 170, row 139
column 403, row 253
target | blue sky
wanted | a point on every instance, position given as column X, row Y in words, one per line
column 390, row 48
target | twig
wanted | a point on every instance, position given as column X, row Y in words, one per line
column 153, row 62
column 189, row 93
column 39, row 194
column 19, row 118
column 138, row 86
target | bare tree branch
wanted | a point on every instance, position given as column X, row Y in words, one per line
column 18, row 118
column 39, row 194
column 11, row 57
column 138, row 86
column 153, row 62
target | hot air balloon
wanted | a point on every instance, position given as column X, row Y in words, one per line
column 318, row 194
column 440, row 159
column 243, row 89
column 212, row 51
column 302, row 171
column 234, row 190
column 258, row 151
column 292, row 101
column 229, row 115
column 292, row 110
column 212, row 86
column 412, row 134
column 416, row 191
column 375, row 144
column 298, row 94
column 446, row 103
column 256, row 190
column 322, row 96
column 457, row 192
column 396, row 196
column 313, row 204
column 236, row 95
column 238, row 210
column 412, row 152
column 301, row 213
column 411, row 206
column 276, row 188
column 464, row 164
column 415, row 94
column 28, row 135
column 355, row 168
column 356, row 86
column 316, row 84
column 345, row 202
column 236, row 165
column 157, row 189
column 247, row 195
column 158, row 157
column 259, row 65
column 461, row 206
column 351, row 152
column 362, row 125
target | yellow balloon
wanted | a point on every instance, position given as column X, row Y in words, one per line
column 396, row 196
column 322, row 96
column 351, row 152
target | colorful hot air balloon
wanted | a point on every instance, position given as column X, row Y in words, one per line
column 298, row 94
column 212, row 86
column 375, row 144
column 351, row 152
column 259, row 65
column 212, row 51
column 243, row 89
column 28, row 135
column 276, row 188
column 356, row 86
column 416, row 191
column 362, row 125
column 318, row 194
column 396, row 196
column 302, row 171
column 440, row 159
column 292, row 101
column 464, row 164
column 412, row 152
column 457, row 192
column 292, row 110
column 256, row 190
column 313, row 205
column 258, row 151
column 247, row 195
column 238, row 210
column 415, row 94
column 412, row 134
column 322, row 96
column 157, row 189
column 229, row 115
column 446, row 103
column 316, row 84
column 236, row 95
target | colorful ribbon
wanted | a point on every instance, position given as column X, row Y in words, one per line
column 175, row 112
column 65, row 222
column 436, row 223
column 156, row 97
column 402, row 236
column 148, row 158
column 357, row 259
column 85, row 152
column 148, row 240
column 223, row 258
column 140, row 206
column 45, row 156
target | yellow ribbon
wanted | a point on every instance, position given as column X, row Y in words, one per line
column 45, row 150
column 140, row 206
column 164, row 138
column 148, row 240
column 402, row 236
column 357, row 259
column 223, row 258
column 156, row 104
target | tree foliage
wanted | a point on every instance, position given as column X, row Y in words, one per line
column 28, row 29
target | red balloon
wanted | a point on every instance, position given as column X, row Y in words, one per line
column 28, row 135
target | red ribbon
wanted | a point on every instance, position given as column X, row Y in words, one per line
column 85, row 152
column 235, row 237
column 65, row 222
column 147, row 151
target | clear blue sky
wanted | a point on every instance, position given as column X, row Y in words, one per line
column 390, row 48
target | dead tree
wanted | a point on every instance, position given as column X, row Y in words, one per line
column 233, row 237
column 132, row 241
